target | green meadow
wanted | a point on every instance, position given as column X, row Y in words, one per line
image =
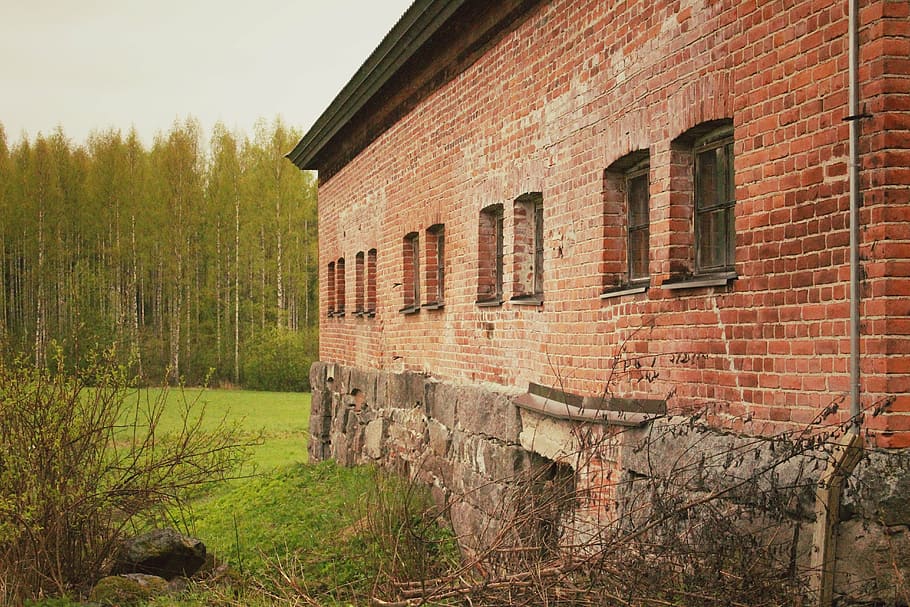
column 279, row 419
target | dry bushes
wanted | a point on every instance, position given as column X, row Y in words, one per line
column 81, row 461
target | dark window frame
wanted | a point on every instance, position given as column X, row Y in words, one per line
column 359, row 291
column 330, row 289
column 640, row 170
column 719, row 144
column 371, row 283
column 435, row 267
column 411, row 281
column 538, row 248
column 340, row 287
column 490, row 288
column 528, row 249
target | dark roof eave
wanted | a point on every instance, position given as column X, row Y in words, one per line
column 420, row 21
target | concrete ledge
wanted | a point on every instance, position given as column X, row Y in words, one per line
column 553, row 408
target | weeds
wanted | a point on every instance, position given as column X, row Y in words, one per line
column 82, row 463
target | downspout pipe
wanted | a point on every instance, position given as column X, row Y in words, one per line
column 847, row 452
column 853, row 118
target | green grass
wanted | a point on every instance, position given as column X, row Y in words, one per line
column 307, row 521
column 282, row 512
column 281, row 418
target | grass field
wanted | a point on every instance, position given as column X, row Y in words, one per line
column 292, row 533
column 281, row 418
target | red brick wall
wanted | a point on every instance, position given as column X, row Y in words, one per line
column 579, row 85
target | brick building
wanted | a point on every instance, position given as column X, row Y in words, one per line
column 542, row 213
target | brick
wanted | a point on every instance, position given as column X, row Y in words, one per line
column 543, row 110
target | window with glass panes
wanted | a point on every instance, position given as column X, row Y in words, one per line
column 637, row 197
column 714, row 201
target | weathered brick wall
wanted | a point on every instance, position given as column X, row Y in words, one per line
column 577, row 86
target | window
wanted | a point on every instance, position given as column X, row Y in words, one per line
column 490, row 256
column 527, row 276
column 330, row 289
column 637, row 226
column 627, row 225
column 339, row 287
column 715, row 233
column 435, row 267
column 358, row 284
column 411, row 265
column 371, row 282
column 702, row 200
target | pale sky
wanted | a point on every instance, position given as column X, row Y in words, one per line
column 94, row 64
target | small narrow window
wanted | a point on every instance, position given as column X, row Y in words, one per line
column 330, row 289
column 703, row 236
column 339, row 287
column 538, row 248
column 411, row 279
column 627, row 231
column 527, row 278
column 715, row 196
column 490, row 256
column 638, row 231
column 359, row 295
column 435, row 267
column 371, row 282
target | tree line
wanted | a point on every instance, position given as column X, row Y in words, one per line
column 195, row 258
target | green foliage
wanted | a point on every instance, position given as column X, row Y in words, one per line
column 325, row 534
column 280, row 360
column 298, row 534
column 118, row 591
column 180, row 255
column 406, row 534
column 80, row 463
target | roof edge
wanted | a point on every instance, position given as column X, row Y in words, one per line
column 419, row 22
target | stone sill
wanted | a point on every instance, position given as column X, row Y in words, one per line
column 630, row 289
column 488, row 303
column 553, row 408
column 718, row 279
column 410, row 309
column 433, row 305
column 527, row 300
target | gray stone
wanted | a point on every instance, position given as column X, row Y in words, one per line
column 317, row 375
column 406, row 390
column 382, row 391
column 436, row 471
column 470, row 444
column 768, row 474
column 475, row 528
column 441, row 400
column 480, row 411
column 162, row 552
column 502, row 462
column 879, row 488
column 318, row 449
column 871, row 563
column 440, row 439
column 373, row 435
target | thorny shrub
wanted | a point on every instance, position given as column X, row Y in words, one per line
column 82, row 461
column 694, row 526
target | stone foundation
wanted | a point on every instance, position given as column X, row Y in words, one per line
column 476, row 449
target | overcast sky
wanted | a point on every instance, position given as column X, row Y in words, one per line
column 95, row 64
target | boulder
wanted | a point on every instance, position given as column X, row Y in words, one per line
column 162, row 552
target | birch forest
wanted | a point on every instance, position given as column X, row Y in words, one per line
column 195, row 258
